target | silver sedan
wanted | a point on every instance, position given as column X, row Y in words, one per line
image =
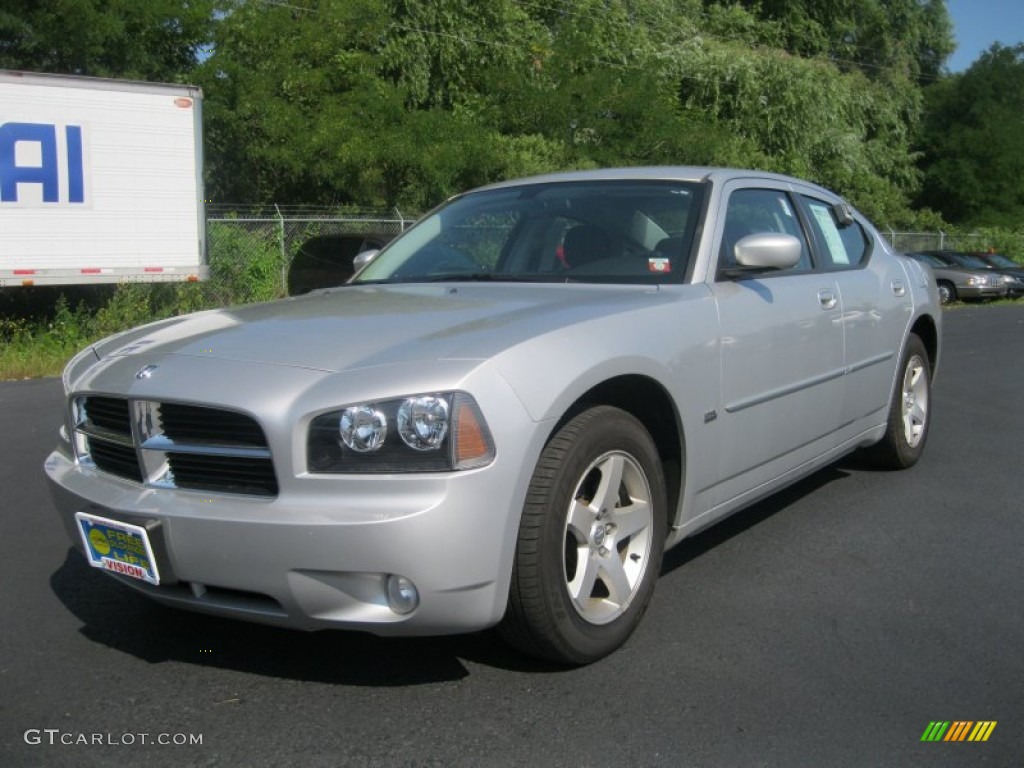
column 509, row 413
column 956, row 281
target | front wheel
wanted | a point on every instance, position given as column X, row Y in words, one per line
column 909, row 411
column 947, row 293
column 590, row 540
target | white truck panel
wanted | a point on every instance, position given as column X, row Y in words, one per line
column 125, row 204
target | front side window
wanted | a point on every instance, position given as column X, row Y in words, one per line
column 605, row 231
column 757, row 212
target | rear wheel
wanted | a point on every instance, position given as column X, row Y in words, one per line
column 590, row 540
column 909, row 411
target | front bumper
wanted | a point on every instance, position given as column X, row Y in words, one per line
column 320, row 558
column 1015, row 290
column 975, row 292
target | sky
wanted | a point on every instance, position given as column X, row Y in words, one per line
column 979, row 23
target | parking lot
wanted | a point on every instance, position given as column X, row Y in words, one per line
column 826, row 626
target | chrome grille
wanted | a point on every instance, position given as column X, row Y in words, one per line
column 229, row 474
column 116, row 459
column 173, row 445
column 110, row 413
column 192, row 423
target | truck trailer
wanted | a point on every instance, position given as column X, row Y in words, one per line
column 100, row 181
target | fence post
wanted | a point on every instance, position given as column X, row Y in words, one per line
column 284, row 255
column 401, row 220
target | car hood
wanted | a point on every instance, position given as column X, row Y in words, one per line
column 361, row 326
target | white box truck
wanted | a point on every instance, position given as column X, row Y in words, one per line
column 100, row 181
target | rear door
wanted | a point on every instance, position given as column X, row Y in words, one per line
column 877, row 306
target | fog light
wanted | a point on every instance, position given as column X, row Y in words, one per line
column 403, row 597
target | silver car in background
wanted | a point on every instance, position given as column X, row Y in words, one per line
column 959, row 282
column 508, row 415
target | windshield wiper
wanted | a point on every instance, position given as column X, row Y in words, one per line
column 487, row 277
column 467, row 277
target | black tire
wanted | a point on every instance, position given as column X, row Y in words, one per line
column 572, row 538
column 909, row 411
column 947, row 293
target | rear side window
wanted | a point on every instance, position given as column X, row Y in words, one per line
column 843, row 246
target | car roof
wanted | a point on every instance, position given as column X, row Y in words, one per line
column 923, row 256
column 691, row 173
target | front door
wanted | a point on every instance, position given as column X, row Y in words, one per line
column 782, row 351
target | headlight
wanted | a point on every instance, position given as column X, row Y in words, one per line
column 977, row 281
column 363, row 428
column 423, row 422
column 436, row 432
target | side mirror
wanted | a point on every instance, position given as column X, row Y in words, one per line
column 842, row 214
column 363, row 258
column 766, row 251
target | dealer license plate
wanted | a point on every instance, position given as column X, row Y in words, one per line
column 118, row 547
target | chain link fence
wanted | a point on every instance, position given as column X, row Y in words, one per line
column 290, row 250
column 907, row 242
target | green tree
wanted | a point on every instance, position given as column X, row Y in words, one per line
column 157, row 40
column 911, row 37
column 801, row 116
column 404, row 102
column 344, row 102
column 973, row 142
column 437, row 50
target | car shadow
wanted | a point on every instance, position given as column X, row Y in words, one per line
column 724, row 530
column 120, row 618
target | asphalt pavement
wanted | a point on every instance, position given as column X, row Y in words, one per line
column 827, row 626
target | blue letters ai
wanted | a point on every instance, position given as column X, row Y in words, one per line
column 46, row 172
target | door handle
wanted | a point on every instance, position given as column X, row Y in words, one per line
column 827, row 299
column 898, row 288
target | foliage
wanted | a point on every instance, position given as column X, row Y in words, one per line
column 405, row 102
column 974, row 142
column 152, row 40
column 881, row 38
column 245, row 266
column 996, row 239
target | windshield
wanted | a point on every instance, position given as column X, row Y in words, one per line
column 966, row 260
column 1001, row 261
column 928, row 259
column 604, row 231
column 940, row 259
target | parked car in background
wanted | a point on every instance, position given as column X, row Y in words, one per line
column 960, row 283
column 1006, row 266
column 325, row 261
column 507, row 415
column 970, row 261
